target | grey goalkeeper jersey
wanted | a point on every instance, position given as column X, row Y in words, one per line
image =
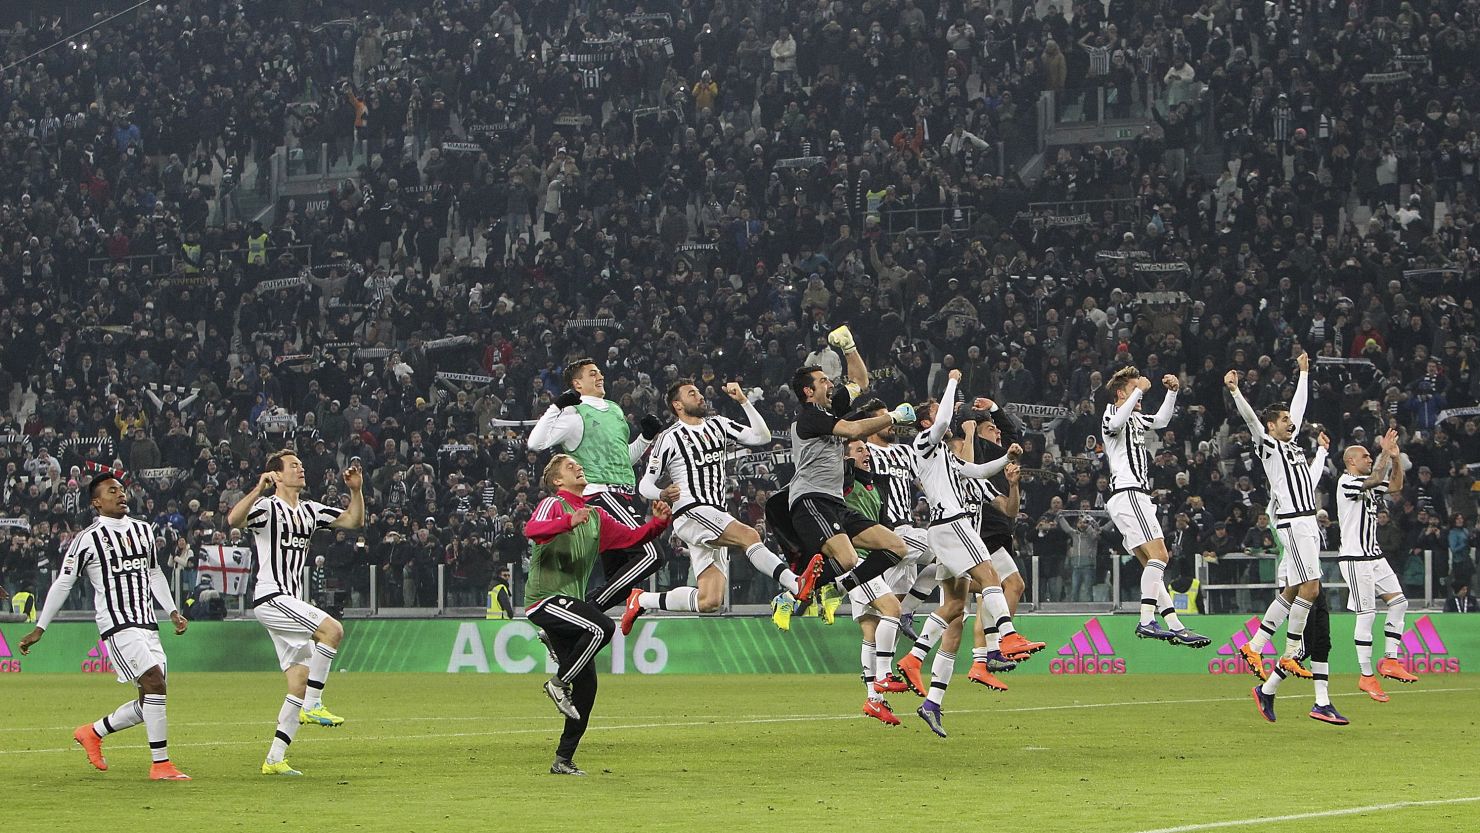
column 816, row 452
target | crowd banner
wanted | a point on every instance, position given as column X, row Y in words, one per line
column 1435, row 646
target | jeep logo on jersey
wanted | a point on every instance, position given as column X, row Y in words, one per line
column 1230, row 661
column 1089, row 652
column 1424, row 651
column 9, row 663
column 97, row 661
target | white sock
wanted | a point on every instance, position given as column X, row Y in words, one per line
column 769, row 563
column 155, row 725
column 318, row 674
column 1272, row 684
column 127, row 715
column 940, row 676
column 996, row 605
column 1295, row 629
column 980, row 654
column 287, row 727
column 1278, row 612
column 1393, row 631
column 684, row 599
column 993, row 638
column 934, row 627
column 1150, row 581
column 885, row 635
column 1363, row 637
column 1168, row 613
column 1321, row 671
column 866, row 659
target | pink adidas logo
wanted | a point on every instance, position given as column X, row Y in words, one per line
column 9, row 663
column 1230, row 661
column 97, row 661
column 1424, row 651
column 1089, row 652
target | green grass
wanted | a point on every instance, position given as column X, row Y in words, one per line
column 435, row 752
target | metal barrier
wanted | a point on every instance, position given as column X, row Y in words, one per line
column 927, row 220
column 164, row 264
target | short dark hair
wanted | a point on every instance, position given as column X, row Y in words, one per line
column 802, row 379
column 574, row 368
column 673, row 390
column 275, row 461
column 92, row 488
column 1273, row 412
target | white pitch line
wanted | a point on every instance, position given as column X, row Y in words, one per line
column 694, row 723
column 1322, row 814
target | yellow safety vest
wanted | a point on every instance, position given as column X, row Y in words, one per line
column 496, row 610
column 1186, row 602
column 257, row 250
column 192, row 256
column 24, row 603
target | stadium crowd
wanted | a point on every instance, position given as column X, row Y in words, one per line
column 704, row 189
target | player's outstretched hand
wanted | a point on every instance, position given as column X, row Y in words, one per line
column 180, row 622
column 661, row 510
column 1171, row 382
column 651, row 425
column 1230, row 380
column 30, row 639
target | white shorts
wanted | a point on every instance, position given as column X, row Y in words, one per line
column 957, row 547
column 1300, row 540
column 876, row 588
column 1366, row 580
column 291, row 623
column 134, row 651
column 1135, row 517
column 698, row 528
column 1003, row 563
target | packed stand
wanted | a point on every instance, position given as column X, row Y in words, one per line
column 704, row 191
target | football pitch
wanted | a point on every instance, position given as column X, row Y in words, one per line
column 424, row 752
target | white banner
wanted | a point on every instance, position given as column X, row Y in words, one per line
column 466, row 377
column 444, row 343
column 227, row 567
column 18, row 523
column 1044, row 411
column 282, row 283
column 160, row 473
column 1450, row 413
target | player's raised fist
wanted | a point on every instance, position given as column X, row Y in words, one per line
column 732, row 390
column 981, row 403
column 354, row 478
column 1014, row 451
column 1230, row 380
column 1323, row 440
column 268, row 480
column 1303, row 362
column 1143, row 383
column 580, row 516
column 954, row 375
column 842, row 338
column 1171, row 382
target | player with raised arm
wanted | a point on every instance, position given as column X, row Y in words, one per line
column 954, row 539
column 691, row 455
column 822, row 521
column 569, row 533
column 1292, row 482
column 118, row 555
column 593, row 429
column 306, row 638
column 1124, row 429
column 1361, row 493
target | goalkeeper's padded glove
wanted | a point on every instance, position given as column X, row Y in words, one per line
column 651, row 425
column 904, row 414
column 567, row 399
column 842, row 338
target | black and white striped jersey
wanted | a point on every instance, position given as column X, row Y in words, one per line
column 281, row 534
column 1124, row 431
column 121, row 563
column 693, row 458
column 896, row 461
column 1292, row 488
column 1356, row 510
